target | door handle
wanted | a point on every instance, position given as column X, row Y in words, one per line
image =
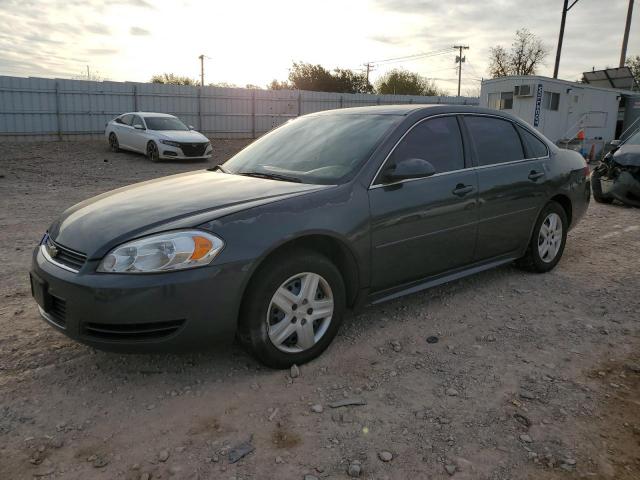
column 461, row 189
column 533, row 175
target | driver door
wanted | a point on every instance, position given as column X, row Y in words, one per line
column 425, row 226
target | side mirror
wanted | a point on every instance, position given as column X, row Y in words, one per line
column 191, row 127
column 137, row 126
column 615, row 143
column 409, row 168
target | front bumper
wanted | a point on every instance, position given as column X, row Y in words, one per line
column 173, row 311
column 169, row 152
column 625, row 188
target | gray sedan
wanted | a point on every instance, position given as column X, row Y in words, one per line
column 329, row 212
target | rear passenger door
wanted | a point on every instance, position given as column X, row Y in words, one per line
column 424, row 226
column 138, row 137
column 511, row 166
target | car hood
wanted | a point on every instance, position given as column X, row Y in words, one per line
column 181, row 135
column 628, row 156
column 180, row 201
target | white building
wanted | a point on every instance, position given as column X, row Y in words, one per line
column 559, row 108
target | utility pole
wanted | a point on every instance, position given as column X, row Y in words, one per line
column 460, row 59
column 625, row 39
column 368, row 65
column 565, row 8
column 201, row 57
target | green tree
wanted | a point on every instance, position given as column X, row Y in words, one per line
column 527, row 53
column 306, row 76
column 634, row 64
column 279, row 85
column 173, row 79
column 403, row 82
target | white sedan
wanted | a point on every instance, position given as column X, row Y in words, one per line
column 157, row 135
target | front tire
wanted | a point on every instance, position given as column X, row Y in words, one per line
column 293, row 307
column 547, row 241
column 153, row 153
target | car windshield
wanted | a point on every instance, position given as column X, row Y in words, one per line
column 324, row 149
column 633, row 139
column 164, row 123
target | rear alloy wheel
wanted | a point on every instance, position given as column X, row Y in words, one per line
column 292, row 309
column 152, row 152
column 547, row 241
column 113, row 143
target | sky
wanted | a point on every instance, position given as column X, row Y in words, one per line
column 256, row 41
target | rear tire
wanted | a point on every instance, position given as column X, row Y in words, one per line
column 113, row 143
column 152, row 152
column 298, row 282
column 547, row 241
column 596, row 187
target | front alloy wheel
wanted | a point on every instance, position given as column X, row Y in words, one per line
column 300, row 312
column 292, row 308
column 152, row 152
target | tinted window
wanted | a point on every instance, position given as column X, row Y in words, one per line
column 125, row 119
column 165, row 123
column 137, row 121
column 323, row 149
column 437, row 140
column 495, row 140
column 535, row 147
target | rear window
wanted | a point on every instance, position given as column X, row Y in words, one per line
column 495, row 140
column 534, row 147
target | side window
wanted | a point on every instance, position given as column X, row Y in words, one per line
column 533, row 145
column 136, row 120
column 437, row 140
column 125, row 119
column 495, row 140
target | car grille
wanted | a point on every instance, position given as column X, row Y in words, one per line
column 66, row 256
column 132, row 331
column 193, row 149
column 58, row 311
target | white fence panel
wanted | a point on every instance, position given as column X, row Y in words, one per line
column 58, row 109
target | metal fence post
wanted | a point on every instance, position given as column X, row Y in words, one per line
column 135, row 97
column 200, row 122
column 299, row 103
column 341, row 101
column 253, row 113
column 58, row 116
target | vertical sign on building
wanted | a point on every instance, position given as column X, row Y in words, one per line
column 536, row 115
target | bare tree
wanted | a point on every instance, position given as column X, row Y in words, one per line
column 527, row 53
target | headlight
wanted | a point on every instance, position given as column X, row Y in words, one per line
column 169, row 142
column 163, row 252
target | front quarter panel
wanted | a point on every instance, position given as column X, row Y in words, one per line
column 340, row 212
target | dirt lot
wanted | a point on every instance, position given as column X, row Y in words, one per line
column 533, row 376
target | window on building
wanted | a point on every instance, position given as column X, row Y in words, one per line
column 506, row 100
column 551, row 101
column 493, row 101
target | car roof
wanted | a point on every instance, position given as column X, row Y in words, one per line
column 149, row 114
column 407, row 109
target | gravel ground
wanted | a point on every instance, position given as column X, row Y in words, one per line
column 533, row 376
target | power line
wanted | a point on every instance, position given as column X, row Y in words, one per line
column 410, row 57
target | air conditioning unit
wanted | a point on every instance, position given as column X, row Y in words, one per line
column 522, row 91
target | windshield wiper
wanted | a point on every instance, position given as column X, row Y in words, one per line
column 218, row 167
column 271, row 176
